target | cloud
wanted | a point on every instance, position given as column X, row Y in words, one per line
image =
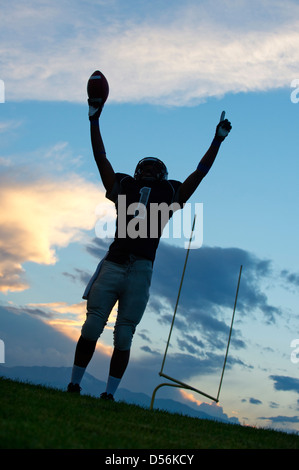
column 290, row 277
column 171, row 55
column 213, row 409
column 29, row 341
column 68, row 319
column 80, row 275
column 10, row 125
column 64, row 319
column 210, row 283
column 285, row 383
column 38, row 217
column 281, row 419
column 254, row 401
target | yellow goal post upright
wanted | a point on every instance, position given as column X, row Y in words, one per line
column 178, row 383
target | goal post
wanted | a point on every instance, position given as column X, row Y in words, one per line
column 178, row 383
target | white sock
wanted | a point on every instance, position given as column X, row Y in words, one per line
column 112, row 384
column 77, row 374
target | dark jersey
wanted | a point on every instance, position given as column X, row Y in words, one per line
column 143, row 209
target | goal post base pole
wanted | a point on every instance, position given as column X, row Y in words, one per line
column 178, row 384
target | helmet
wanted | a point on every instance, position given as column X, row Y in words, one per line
column 158, row 169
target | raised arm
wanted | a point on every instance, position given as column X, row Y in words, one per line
column 191, row 183
column 103, row 164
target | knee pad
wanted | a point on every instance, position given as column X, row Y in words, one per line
column 92, row 327
column 123, row 336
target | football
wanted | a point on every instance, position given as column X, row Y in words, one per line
column 97, row 86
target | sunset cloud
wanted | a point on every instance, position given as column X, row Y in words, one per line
column 40, row 216
column 68, row 319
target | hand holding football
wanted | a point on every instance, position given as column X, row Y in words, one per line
column 97, row 91
column 97, row 86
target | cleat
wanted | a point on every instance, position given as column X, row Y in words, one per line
column 73, row 388
column 106, row 396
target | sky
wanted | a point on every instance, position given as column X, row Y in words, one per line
column 172, row 68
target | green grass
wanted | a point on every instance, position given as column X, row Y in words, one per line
column 37, row 417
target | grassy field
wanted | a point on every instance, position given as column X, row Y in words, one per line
column 36, row 417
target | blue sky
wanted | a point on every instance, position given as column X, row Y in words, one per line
column 172, row 68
